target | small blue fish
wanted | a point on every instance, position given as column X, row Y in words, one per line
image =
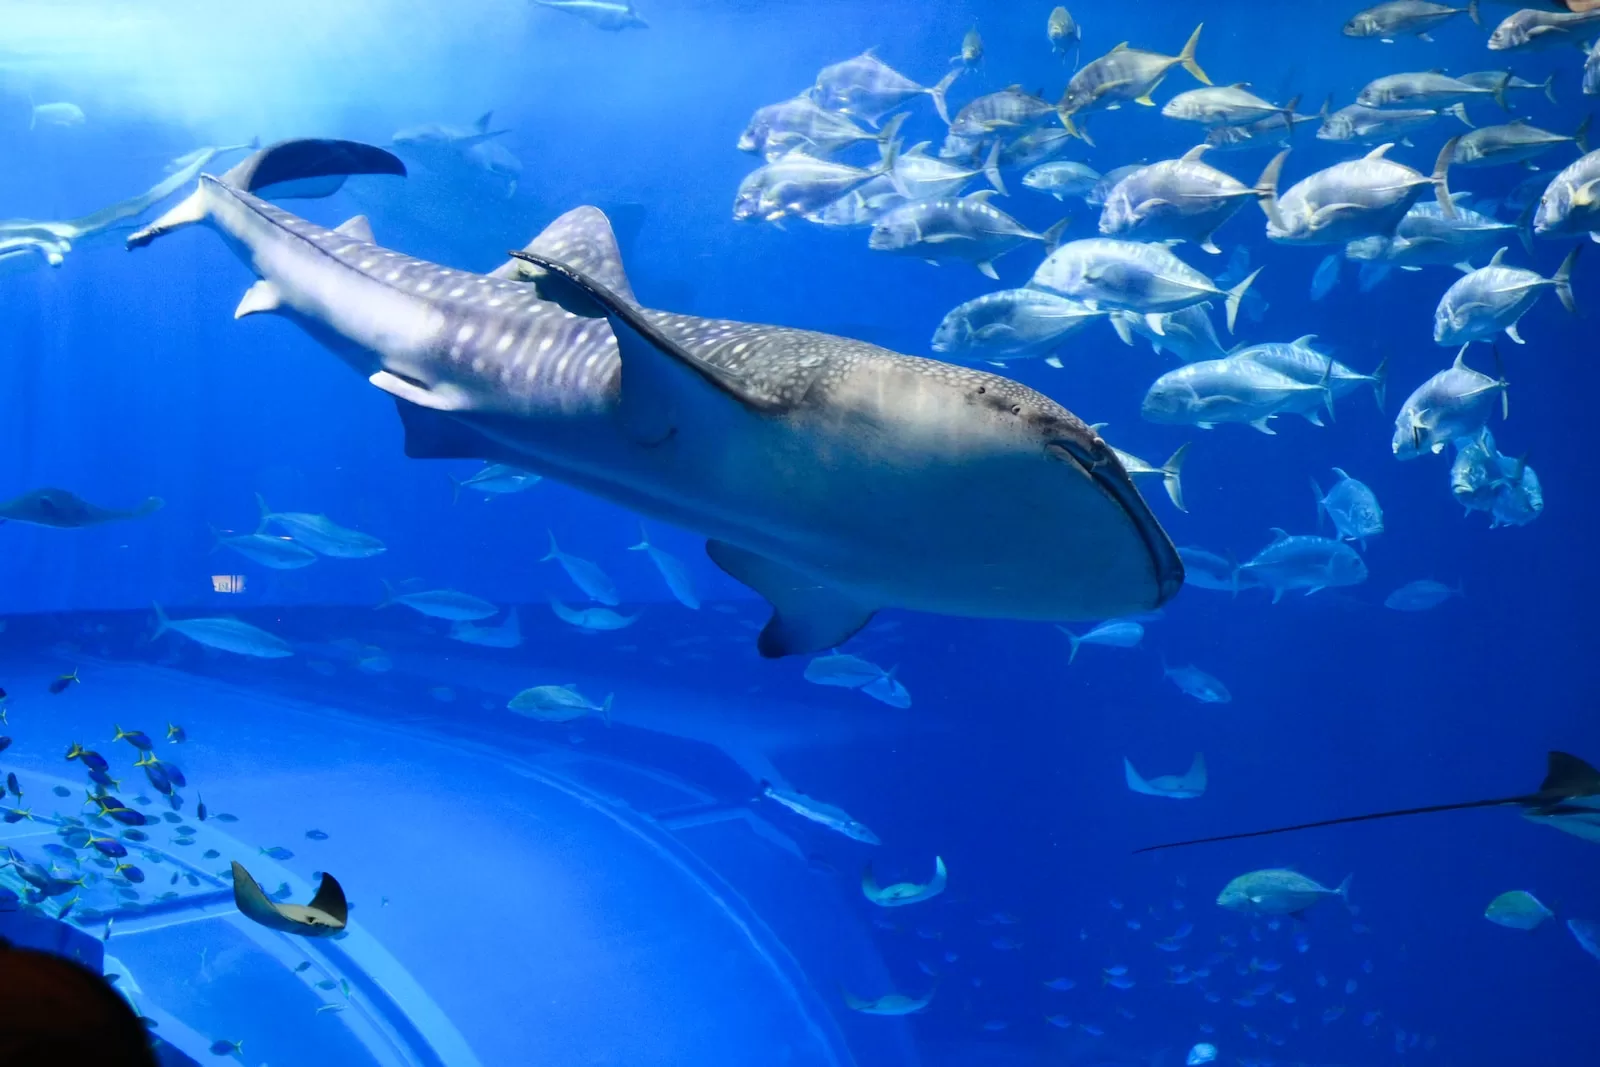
column 63, row 683
column 176, row 734
column 316, row 835
column 223, row 1047
column 277, row 852
column 1327, row 276
column 130, row 872
column 1061, row 985
column 5, row 743
column 61, row 791
column 200, row 808
column 137, row 738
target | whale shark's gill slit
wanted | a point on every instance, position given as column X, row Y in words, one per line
column 1166, row 567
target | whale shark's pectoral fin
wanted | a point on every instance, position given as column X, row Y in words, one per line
column 807, row 615
column 430, row 435
column 663, row 385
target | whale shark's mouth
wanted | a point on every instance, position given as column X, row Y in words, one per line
column 1103, row 468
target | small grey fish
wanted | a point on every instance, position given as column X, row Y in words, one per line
column 557, row 703
column 1101, row 191
column 447, row 604
column 1194, row 682
column 1570, row 204
column 777, row 129
column 1186, row 333
column 1426, row 89
column 1591, row 72
column 1453, row 404
column 319, row 533
column 1509, row 83
column 1063, row 32
column 1358, row 198
column 496, row 479
column 1204, row 569
column 1300, row 361
column 1424, row 594
column 1103, row 272
column 834, row 818
column 1359, row 124
column 1274, row 131
column 1399, row 18
column 869, row 88
column 919, row 176
column 1351, row 506
column 226, row 635
column 1225, row 105
column 1170, row 472
column 1514, row 142
column 1530, row 28
column 1235, row 389
column 800, row 184
column 969, row 228
column 1034, row 147
column 1011, row 108
column 1426, row 236
column 1124, row 74
column 1304, row 563
column 595, row 583
column 1062, row 180
column 971, row 53
column 1010, row 324
column 591, row 620
column 1494, row 298
column 601, row 14
column 270, row 550
column 1182, row 199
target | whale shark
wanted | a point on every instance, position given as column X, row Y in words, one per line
column 831, row 476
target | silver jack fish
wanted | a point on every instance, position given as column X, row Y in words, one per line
column 987, row 499
column 1175, row 200
column 1398, row 18
column 1364, row 197
column 1453, row 404
column 1570, row 204
column 1124, row 74
column 1495, row 298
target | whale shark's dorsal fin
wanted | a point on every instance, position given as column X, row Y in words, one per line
column 583, row 240
column 330, row 899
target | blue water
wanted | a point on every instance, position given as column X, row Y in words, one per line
column 611, row 894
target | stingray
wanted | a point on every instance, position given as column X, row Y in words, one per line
column 1568, row 799
column 65, row 510
column 325, row 916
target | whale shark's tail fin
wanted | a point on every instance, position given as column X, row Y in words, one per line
column 288, row 169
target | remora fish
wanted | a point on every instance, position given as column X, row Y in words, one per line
column 325, row 916
column 532, row 375
column 1173, row 786
column 836, row 819
column 1568, row 800
column 65, row 510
